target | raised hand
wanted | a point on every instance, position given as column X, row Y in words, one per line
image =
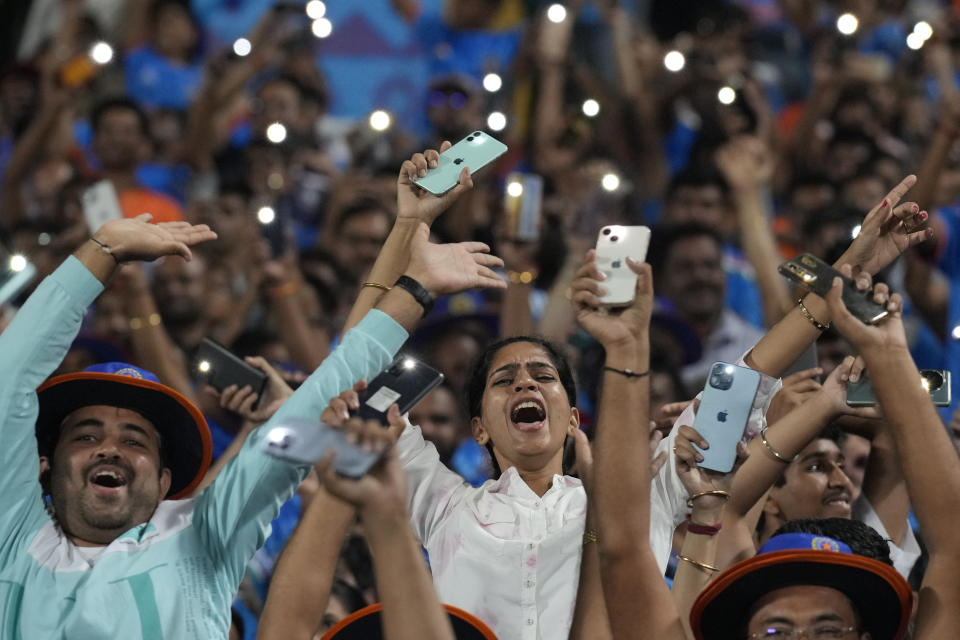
column 450, row 268
column 796, row 389
column 384, row 488
column 133, row 239
column 835, row 388
column 868, row 339
column 417, row 204
column 612, row 326
column 241, row 400
column 888, row 230
column 696, row 480
column 746, row 163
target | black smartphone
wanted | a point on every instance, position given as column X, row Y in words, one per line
column 405, row 382
column 216, row 366
column 817, row 276
column 936, row 382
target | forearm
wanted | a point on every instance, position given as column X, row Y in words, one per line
column 620, row 443
column 760, row 249
column 152, row 345
column 411, row 610
column 926, row 454
column 304, row 575
column 590, row 621
column 24, row 156
column 788, row 436
column 515, row 316
column 691, row 577
column 786, row 340
column 294, row 327
column 390, row 265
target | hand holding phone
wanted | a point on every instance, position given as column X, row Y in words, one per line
column 724, row 410
column 216, row 366
column 405, row 382
column 101, row 205
column 475, row 151
column 817, row 276
column 616, row 243
column 306, row 442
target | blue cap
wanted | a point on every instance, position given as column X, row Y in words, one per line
column 122, row 369
column 803, row 542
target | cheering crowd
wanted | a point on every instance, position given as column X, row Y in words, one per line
column 550, row 486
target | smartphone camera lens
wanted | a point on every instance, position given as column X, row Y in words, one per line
column 469, row 138
column 477, row 133
column 458, row 161
column 614, row 238
column 606, row 231
column 721, row 377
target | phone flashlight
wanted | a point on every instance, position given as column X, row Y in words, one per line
column 266, row 215
column 726, row 95
column 17, row 263
column 557, row 13
column 101, row 52
column 497, row 121
column 203, row 366
column 276, row 133
column 515, row 189
column 315, row 9
column 674, row 61
column 380, row 120
column 322, row 28
column 242, row 47
column 610, row 182
column 591, row 108
column 847, row 24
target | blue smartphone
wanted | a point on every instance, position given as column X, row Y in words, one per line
column 724, row 409
column 476, row 151
column 306, row 441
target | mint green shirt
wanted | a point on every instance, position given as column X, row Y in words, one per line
column 175, row 576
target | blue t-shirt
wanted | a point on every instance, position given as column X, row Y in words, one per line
column 155, row 82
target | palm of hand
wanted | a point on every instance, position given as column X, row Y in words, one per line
column 612, row 326
column 415, row 203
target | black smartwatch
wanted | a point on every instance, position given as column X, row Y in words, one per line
column 418, row 291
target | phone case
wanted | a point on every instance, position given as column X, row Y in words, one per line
column 476, row 151
column 936, row 382
column 615, row 243
column 817, row 276
column 217, row 366
column 724, row 409
column 101, row 205
column 13, row 282
column 305, row 442
column 523, row 210
column 405, row 382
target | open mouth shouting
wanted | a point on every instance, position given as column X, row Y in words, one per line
column 108, row 479
column 528, row 415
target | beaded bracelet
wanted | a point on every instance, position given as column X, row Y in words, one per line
column 809, row 316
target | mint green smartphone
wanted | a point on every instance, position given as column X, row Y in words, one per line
column 476, row 151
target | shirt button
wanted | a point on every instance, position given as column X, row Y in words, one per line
column 530, row 546
column 530, row 621
column 529, row 583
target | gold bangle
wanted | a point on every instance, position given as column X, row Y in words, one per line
column 153, row 320
column 699, row 565
column 809, row 316
column 521, row 277
column 720, row 493
column 776, row 454
column 590, row 535
column 376, row 285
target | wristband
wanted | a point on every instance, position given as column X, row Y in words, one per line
column 418, row 291
column 105, row 248
column 703, row 529
column 819, row 326
column 630, row 373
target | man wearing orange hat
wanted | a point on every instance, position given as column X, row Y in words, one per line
column 112, row 551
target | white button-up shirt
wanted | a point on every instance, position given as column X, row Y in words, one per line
column 512, row 558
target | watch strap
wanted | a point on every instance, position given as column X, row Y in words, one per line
column 418, row 291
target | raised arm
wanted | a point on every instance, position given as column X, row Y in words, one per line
column 887, row 231
column 411, row 610
column 622, row 470
column 928, row 458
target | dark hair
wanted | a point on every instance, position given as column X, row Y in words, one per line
column 697, row 175
column 862, row 539
column 477, row 383
column 349, row 596
column 667, row 235
column 356, row 555
column 119, row 103
column 361, row 205
column 830, row 432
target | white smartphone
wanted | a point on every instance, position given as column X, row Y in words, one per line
column 476, row 151
column 101, row 205
column 616, row 243
column 724, row 409
column 306, row 441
